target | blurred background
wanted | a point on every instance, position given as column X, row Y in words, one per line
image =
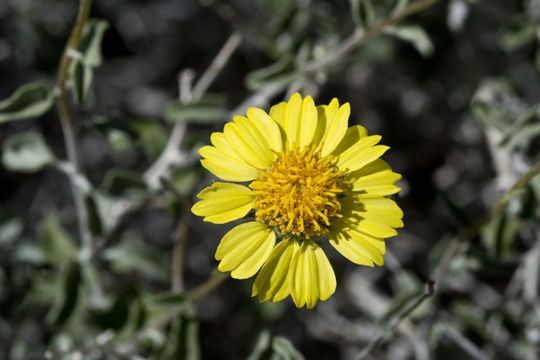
column 453, row 90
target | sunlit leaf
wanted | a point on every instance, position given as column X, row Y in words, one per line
column 26, row 152
column 29, row 100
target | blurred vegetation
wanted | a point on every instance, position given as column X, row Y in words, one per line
column 453, row 88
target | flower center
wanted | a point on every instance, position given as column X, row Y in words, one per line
column 299, row 193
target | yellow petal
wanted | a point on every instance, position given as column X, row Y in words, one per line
column 321, row 123
column 267, row 126
column 337, row 121
column 374, row 179
column 245, row 248
column 307, row 122
column 358, row 247
column 292, row 123
column 253, row 136
column 352, row 136
column 272, row 282
column 224, row 202
column 361, row 153
column 312, row 276
column 278, row 113
column 225, row 165
column 374, row 216
column 246, row 146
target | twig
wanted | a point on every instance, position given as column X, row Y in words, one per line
column 359, row 37
column 216, row 279
column 262, row 97
column 171, row 155
column 467, row 345
column 66, row 120
column 472, row 230
column 394, row 322
column 177, row 271
column 206, row 287
column 217, row 65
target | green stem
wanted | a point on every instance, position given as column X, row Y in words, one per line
column 66, row 120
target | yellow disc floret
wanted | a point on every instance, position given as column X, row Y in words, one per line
column 299, row 193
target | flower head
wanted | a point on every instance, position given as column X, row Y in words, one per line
column 310, row 178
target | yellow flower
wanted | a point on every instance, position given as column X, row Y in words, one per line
column 310, row 177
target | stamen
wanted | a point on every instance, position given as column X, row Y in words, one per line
column 299, row 193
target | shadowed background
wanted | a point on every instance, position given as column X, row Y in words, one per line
column 453, row 91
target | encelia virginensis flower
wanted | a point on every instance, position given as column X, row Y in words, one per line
column 309, row 177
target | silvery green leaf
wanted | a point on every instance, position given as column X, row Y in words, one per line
column 517, row 34
column 90, row 45
column 132, row 254
column 86, row 58
column 10, row 231
column 262, row 346
column 533, row 10
column 151, row 137
column 81, row 77
column 209, row 109
column 281, row 72
column 184, row 340
column 95, row 224
column 285, row 348
column 68, row 296
column 28, row 101
column 414, row 34
column 494, row 104
column 363, row 12
column 54, row 242
column 120, row 182
column 26, row 152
